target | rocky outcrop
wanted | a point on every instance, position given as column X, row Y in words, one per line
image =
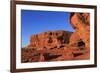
column 50, row 38
column 81, row 23
column 61, row 45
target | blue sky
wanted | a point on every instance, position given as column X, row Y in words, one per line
column 35, row 22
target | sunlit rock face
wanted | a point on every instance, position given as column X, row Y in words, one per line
column 81, row 23
column 60, row 45
column 50, row 38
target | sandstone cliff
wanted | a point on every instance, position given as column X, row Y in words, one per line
column 50, row 39
column 61, row 45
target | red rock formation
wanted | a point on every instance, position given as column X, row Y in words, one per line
column 81, row 23
column 50, row 38
column 61, row 45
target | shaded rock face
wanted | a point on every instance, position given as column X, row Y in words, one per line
column 61, row 45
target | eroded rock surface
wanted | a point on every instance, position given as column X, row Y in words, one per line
column 61, row 45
